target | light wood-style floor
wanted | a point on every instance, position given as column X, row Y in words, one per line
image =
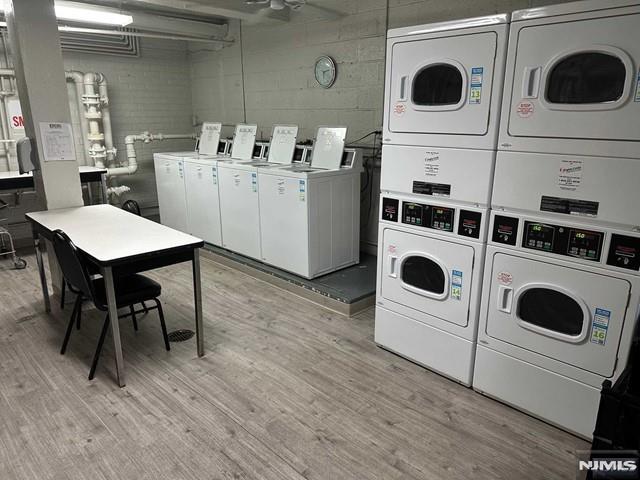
column 287, row 390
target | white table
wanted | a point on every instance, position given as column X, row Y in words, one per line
column 13, row 180
column 119, row 243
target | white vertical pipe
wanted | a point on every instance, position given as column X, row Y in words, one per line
column 106, row 119
column 78, row 79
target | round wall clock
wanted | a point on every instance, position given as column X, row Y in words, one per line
column 325, row 71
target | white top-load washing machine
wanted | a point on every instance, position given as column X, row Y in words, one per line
column 239, row 209
column 561, row 284
column 444, row 83
column 170, row 182
column 310, row 214
column 572, row 82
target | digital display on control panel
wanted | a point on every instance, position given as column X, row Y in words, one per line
column 584, row 244
column 561, row 240
column 428, row 216
column 442, row 218
column 539, row 236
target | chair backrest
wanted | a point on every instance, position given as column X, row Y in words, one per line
column 74, row 270
column 131, row 206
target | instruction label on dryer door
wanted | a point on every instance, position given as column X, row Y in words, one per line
column 456, row 284
column 475, row 94
column 637, row 96
column 600, row 326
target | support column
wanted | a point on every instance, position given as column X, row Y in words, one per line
column 35, row 46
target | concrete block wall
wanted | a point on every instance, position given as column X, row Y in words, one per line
column 268, row 72
column 150, row 92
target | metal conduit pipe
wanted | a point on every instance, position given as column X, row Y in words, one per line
column 145, row 137
column 78, row 79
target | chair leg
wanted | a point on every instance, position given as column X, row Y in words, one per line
column 96, row 356
column 163, row 325
column 144, row 306
column 62, row 292
column 133, row 317
column 77, row 308
column 79, row 316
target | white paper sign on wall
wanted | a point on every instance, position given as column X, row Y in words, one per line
column 57, row 141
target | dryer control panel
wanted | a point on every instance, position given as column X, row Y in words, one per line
column 563, row 240
column 428, row 216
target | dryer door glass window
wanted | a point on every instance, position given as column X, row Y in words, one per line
column 424, row 274
column 586, row 78
column 552, row 310
column 437, row 85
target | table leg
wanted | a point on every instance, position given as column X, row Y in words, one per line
column 43, row 275
column 107, row 273
column 197, row 300
column 103, row 186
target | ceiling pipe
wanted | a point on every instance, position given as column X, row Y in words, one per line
column 185, row 38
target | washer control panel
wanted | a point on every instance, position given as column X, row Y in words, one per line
column 428, row 216
column 563, row 240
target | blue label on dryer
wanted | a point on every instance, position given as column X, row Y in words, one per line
column 637, row 96
column 475, row 93
column 456, row 284
column 254, row 181
column 303, row 190
column 600, row 326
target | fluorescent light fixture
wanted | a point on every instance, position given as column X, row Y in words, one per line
column 87, row 14
column 74, row 12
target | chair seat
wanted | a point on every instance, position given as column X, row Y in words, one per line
column 130, row 290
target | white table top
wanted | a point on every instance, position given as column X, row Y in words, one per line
column 81, row 169
column 108, row 234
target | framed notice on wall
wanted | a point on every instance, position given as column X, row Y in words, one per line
column 57, row 142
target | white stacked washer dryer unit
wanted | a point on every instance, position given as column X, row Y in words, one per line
column 562, row 281
column 310, row 214
column 442, row 104
column 239, row 208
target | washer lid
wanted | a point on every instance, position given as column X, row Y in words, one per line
column 210, row 138
column 328, row 147
column 244, row 140
column 283, row 144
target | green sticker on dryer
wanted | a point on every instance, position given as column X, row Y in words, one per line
column 475, row 92
column 600, row 326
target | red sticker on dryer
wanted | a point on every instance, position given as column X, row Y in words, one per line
column 525, row 109
column 399, row 109
column 505, row 278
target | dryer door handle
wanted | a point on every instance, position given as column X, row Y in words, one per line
column 391, row 267
column 402, row 93
column 531, row 82
column 505, row 298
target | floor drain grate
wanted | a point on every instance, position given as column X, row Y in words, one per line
column 180, row 335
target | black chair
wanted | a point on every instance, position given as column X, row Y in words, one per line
column 129, row 290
